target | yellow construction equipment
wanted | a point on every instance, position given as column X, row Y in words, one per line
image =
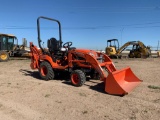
column 138, row 49
column 112, row 48
column 9, row 47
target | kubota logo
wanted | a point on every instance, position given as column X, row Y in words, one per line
column 80, row 54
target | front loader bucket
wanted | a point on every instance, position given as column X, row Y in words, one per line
column 121, row 82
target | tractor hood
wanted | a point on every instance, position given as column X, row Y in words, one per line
column 81, row 52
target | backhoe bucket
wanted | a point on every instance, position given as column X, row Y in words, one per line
column 121, row 82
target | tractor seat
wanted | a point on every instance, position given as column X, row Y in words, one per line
column 53, row 45
column 55, row 49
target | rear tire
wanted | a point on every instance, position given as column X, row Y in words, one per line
column 139, row 55
column 78, row 78
column 46, row 72
column 4, row 56
column 131, row 55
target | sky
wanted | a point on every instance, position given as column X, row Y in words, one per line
column 86, row 23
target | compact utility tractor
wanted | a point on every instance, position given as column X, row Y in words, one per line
column 79, row 63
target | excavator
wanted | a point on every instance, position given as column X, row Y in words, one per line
column 79, row 64
column 138, row 49
column 9, row 47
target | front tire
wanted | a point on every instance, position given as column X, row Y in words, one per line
column 4, row 56
column 78, row 78
column 46, row 72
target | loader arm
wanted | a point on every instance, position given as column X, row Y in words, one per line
column 94, row 63
column 118, row 82
column 107, row 64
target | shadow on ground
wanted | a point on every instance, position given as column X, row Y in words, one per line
column 34, row 74
column 99, row 87
column 65, row 78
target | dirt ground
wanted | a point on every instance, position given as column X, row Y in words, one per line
column 23, row 96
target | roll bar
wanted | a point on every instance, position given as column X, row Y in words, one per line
column 38, row 30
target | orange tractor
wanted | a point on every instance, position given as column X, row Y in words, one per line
column 79, row 64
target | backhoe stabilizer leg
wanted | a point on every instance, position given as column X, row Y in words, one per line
column 34, row 56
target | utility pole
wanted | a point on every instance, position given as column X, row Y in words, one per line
column 121, row 35
column 158, row 45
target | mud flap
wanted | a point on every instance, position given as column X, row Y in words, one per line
column 121, row 82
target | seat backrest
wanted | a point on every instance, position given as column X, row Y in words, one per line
column 53, row 45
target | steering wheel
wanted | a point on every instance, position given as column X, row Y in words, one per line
column 67, row 44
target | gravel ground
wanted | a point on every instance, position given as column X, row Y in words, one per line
column 24, row 96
